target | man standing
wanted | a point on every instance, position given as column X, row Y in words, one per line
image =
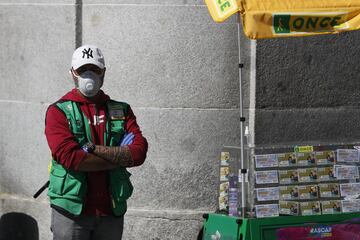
column 93, row 139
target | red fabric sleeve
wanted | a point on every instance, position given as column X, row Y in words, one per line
column 64, row 148
column 139, row 147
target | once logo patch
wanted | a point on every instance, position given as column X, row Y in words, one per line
column 299, row 22
column 88, row 53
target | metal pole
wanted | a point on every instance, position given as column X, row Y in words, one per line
column 242, row 120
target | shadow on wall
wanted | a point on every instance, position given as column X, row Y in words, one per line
column 16, row 226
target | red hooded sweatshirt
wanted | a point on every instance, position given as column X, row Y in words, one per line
column 66, row 151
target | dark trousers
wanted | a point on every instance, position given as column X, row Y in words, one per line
column 85, row 227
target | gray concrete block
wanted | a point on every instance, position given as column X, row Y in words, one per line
column 298, row 126
column 176, row 57
column 38, row 210
column 182, row 167
column 142, row 224
column 24, row 152
column 36, row 48
column 320, row 71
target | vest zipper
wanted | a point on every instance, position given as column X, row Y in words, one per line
column 111, row 195
column 113, row 202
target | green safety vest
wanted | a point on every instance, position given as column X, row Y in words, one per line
column 67, row 187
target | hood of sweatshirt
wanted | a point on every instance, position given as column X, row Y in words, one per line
column 92, row 108
column 75, row 96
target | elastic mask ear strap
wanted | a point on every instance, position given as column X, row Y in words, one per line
column 75, row 77
column 74, row 73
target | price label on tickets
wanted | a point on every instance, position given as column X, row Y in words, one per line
column 303, row 149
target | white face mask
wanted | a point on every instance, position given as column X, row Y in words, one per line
column 89, row 83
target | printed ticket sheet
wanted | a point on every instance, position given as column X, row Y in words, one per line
column 289, row 208
column 329, row 190
column 349, row 189
column 266, row 177
column 308, row 192
column 347, row 156
column 307, row 175
column 310, row 208
column 267, row 210
column 325, row 157
column 224, row 173
column 267, row 194
column 346, row 172
column 266, row 161
column 223, row 203
column 326, row 174
column 224, row 189
column 286, row 159
column 288, row 176
column 289, row 192
column 225, row 157
column 352, row 205
column 306, row 159
column 331, row 207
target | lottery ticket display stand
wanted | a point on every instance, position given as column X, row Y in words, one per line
column 297, row 193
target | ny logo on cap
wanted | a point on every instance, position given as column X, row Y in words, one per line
column 88, row 53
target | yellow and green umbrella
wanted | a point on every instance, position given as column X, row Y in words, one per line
column 289, row 18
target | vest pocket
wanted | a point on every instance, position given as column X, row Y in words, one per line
column 73, row 184
column 121, row 186
column 117, row 132
column 65, row 182
column 57, row 179
column 121, row 190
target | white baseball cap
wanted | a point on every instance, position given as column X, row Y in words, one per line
column 87, row 54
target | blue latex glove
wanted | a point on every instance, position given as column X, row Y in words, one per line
column 127, row 139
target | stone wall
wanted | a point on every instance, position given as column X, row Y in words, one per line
column 307, row 89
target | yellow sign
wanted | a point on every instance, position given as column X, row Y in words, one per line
column 304, row 149
column 288, row 18
column 220, row 10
